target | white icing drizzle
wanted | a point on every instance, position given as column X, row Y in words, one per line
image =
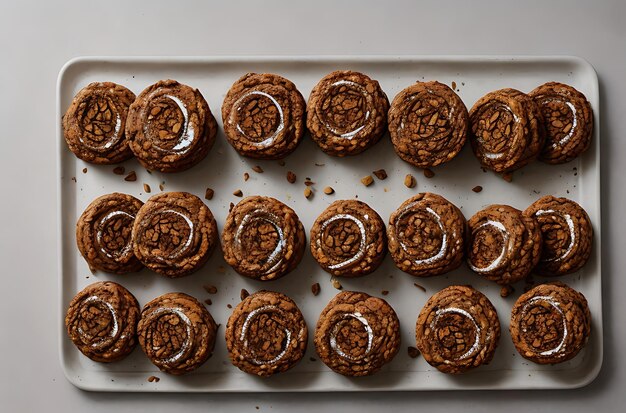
column 186, row 346
column 557, row 306
column 115, row 255
column 572, row 233
column 276, row 256
column 444, row 239
column 244, row 330
column 491, row 155
column 180, row 250
column 333, row 335
column 505, row 247
column 363, row 92
column 269, row 140
column 362, row 244
column 113, row 332
column 475, row 345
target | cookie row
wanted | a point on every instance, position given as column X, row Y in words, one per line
column 356, row 334
column 169, row 127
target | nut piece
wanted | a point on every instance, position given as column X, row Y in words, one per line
column 243, row 294
column 131, row 177
column 246, row 176
column 329, row 190
column 154, row 379
column 508, row 176
column 307, row 192
column 211, row 289
column 428, row 173
column 119, row 170
column 409, row 181
column 291, row 177
column 380, row 174
column 384, row 292
column 367, row 180
column 209, row 194
column 421, row 287
column 238, row 193
column 315, row 289
column 506, row 290
column 337, row 284
column 477, row 188
column 146, row 188
column 257, row 169
column 413, row 352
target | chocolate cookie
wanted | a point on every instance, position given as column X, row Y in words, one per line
column 567, row 235
column 94, row 124
column 263, row 238
column 170, row 127
column 568, row 120
column 357, row 334
column 177, row 333
column 504, row 245
column 174, row 234
column 550, row 324
column 266, row 334
column 346, row 113
column 428, row 124
column 103, row 233
column 506, row 130
column 426, row 235
column 102, row 321
column 263, row 116
column 348, row 239
column 457, row 330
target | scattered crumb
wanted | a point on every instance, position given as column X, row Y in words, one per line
column 308, row 193
column 208, row 194
column 246, row 176
column 308, row 182
column 238, row 193
column 243, row 294
column 291, row 177
column 320, row 164
column 154, row 379
column 146, row 188
column 231, row 206
column 428, row 173
column 380, row 174
column 84, row 170
column 149, row 171
column 161, row 187
column 229, row 306
column 211, row 289
column 257, row 169
column 119, row 170
column 508, row 176
column 312, row 359
column 337, row 284
column 477, row 188
column 409, row 181
column 484, row 169
column 221, row 269
column 567, row 191
column 421, row 287
column 367, row 180
column 74, row 179
column 506, row 290
column 453, row 84
column 208, row 301
column 131, row 177
column 386, row 189
column 256, row 407
column 315, row 289
column 281, row 163
column 384, row 292
column 329, row 190
column 413, row 352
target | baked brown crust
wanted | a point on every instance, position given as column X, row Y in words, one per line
column 506, row 130
column 170, row 127
column 346, row 113
column 263, row 238
column 94, row 124
column 177, row 333
column 426, row 235
column 457, row 330
column 348, row 239
column 568, row 120
column 550, row 324
column 101, row 321
column 567, row 235
column 428, row 124
column 104, row 233
column 357, row 334
column 264, row 116
column 174, row 234
column 504, row 245
column 266, row 334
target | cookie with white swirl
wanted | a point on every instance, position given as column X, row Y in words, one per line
column 170, row 127
column 428, row 124
column 263, row 238
column 177, row 333
column 457, row 330
column 104, row 233
column 174, row 234
column 266, row 334
column 507, row 131
column 550, row 324
column 426, row 235
column 567, row 235
column 264, row 116
column 356, row 334
column 348, row 239
column 504, row 244
column 94, row 124
column 101, row 321
column 568, row 120
column 347, row 113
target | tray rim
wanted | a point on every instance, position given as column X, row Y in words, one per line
column 590, row 375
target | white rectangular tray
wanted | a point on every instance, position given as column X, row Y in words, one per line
column 223, row 171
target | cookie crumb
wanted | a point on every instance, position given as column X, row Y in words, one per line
column 477, row 188
column 320, row 164
column 337, row 284
column 231, row 206
column 74, row 179
column 281, row 163
column 161, row 187
column 312, row 359
column 208, row 194
column 154, row 379
column 329, row 190
column 146, row 188
column 386, row 189
column 291, row 177
column 413, row 352
column 84, row 170
column 506, row 290
column 308, row 193
column 428, row 173
column 243, row 294
column 257, row 169
column 421, row 287
column 221, row 269
column 131, row 177
column 508, row 176
column 229, row 306
column 256, row 407
column 208, row 301
column 453, row 84
column 238, row 193
column 246, row 176
column 409, row 181
column 367, row 180
column 384, row 292
column 308, row 182
column 380, row 174
column 119, row 170
column 211, row 289
column 315, row 289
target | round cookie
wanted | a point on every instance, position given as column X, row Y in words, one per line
column 346, row 113
column 170, row 127
column 174, row 234
column 568, row 120
column 104, row 233
column 94, row 124
column 504, row 245
column 550, row 324
column 428, row 124
column 357, row 334
column 101, row 321
column 506, row 130
column 567, row 235
column 177, row 333
column 348, row 239
column 426, row 235
column 264, row 116
column 263, row 238
column 457, row 330
column 266, row 334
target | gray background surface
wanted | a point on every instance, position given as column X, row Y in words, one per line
column 36, row 38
